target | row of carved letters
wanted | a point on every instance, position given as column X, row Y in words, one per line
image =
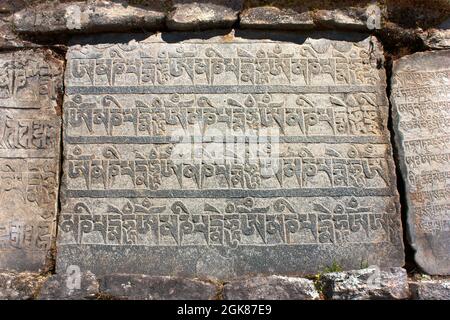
column 229, row 229
column 26, row 236
column 28, row 134
column 14, row 77
column 154, row 121
column 245, row 70
column 150, row 173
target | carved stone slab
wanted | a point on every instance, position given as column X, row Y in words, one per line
column 421, row 111
column 227, row 155
column 29, row 157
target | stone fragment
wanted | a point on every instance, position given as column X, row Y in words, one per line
column 205, row 155
column 71, row 285
column 366, row 284
column 8, row 38
column 421, row 116
column 19, row 286
column 270, row 288
column 351, row 18
column 82, row 17
column 143, row 287
column 430, row 289
column 275, row 18
column 206, row 14
column 437, row 38
column 30, row 88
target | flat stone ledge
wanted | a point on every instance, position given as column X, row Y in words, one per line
column 437, row 38
column 73, row 285
column 351, row 18
column 275, row 18
column 80, row 17
column 430, row 289
column 199, row 15
column 19, row 286
column 270, row 288
column 143, row 287
column 366, row 284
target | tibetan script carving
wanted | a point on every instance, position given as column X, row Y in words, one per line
column 29, row 157
column 227, row 156
column 421, row 108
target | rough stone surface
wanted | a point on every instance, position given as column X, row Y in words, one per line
column 305, row 177
column 351, row 18
column 143, row 287
column 71, row 285
column 29, row 157
column 358, row 19
column 421, row 115
column 437, row 38
column 366, row 284
column 206, row 14
column 19, row 286
column 270, row 288
column 8, row 38
column 275, row 18
column 430, row 290
column 79, row 17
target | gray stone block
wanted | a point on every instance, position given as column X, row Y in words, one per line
column 275, row 18
column 199, row 15
column 30, row 127
column 430, row 289
column 19, row 286
column 206, row 155
column 270, row 288
column 143, row 287
column 366, row 284
column 420, row 108
column 71, row 285
column 82, row 17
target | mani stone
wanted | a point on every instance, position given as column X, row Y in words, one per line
column 421, row 115
column 29, row 157
column 222, row 156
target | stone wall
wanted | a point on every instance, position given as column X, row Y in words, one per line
column 116, row 123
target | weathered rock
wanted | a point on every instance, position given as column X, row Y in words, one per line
column 270, row 288
column 275, row 18
column 437, row 38
column 8, row 38
column 352, row 18
column 19, row 286
column 143, row 287
column 420, row 99
column 29, row 157
column 72, row 285
column 136, row 200
column 81, row 17
column 366, row 284
column 206, row 14
column 430, row 290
